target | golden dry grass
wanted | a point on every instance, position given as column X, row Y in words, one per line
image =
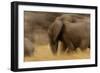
column 43, row 53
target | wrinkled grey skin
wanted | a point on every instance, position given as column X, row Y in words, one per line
column 73, row 30
column 34, row 22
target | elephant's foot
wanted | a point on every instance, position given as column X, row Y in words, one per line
column 54, row 51
column 62, row 48
column 72, row 50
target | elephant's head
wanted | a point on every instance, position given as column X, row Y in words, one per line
column 54, row 32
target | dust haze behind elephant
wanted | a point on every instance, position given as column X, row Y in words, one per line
column 36, row 25
column 73, row 30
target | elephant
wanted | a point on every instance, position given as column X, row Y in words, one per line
column 34, row 24
column 29, row 47
column 72, row 30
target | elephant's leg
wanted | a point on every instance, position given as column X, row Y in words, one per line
column 84, row 44
column 63, row 47
column 54, row 47
column 54, row 51
column 71, row 47
column 28, row 47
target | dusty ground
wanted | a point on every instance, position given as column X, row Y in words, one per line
column 43, row 53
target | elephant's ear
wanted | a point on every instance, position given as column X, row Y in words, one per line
column 55, row 29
